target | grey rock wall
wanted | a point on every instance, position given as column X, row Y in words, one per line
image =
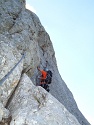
column 34, row 106
column 9, row 11
column 21, row 31
column 9, row 56
column 4, row 113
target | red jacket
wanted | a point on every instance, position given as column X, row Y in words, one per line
column 44, row 74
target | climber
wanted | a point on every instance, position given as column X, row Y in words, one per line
column 43, row 81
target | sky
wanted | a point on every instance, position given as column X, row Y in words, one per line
column 70, row 25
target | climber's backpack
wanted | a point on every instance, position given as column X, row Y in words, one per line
column 49, row 77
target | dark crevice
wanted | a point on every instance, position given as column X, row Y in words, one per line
column 12, row 95
column 6, row 121
column 14, row 16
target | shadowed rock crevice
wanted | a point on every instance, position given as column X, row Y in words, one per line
column 6, row 121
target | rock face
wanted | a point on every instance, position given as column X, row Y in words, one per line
column 9, row 56
column 34, row 106
column 21, row 31
column 4, row 113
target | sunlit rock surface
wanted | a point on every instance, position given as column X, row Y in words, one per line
column 4, row 113
column 9, row 56
column 34, row 106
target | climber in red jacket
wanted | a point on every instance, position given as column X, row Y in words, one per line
column 43, row 77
